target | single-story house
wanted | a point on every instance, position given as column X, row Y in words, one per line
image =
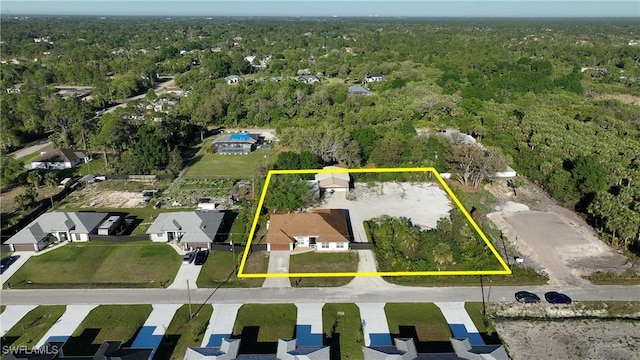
column 233, row 79
column 323, row 230
column 334, row 181
column 59, row 159
column 53, row 349
column 62, row 225
column 308, row 79
column 288, row 349
column 191, row 229
column 373, row 77
column 359, row 90
column 242, row 143
column 405, row 349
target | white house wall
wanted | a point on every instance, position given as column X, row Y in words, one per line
column 333, row 246
column 159, row 237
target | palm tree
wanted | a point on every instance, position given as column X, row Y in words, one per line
column 442, row 254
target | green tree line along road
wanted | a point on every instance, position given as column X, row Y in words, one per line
column 553, row 99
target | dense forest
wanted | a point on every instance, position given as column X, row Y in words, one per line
column 556, row 100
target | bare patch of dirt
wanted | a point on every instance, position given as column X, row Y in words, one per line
column 624, row 98
column 93, row 197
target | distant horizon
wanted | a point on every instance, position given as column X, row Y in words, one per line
column 516, row 9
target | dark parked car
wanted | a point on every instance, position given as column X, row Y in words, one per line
column 527, row 297
column 201, row 257
column 557, row 298
column 7, row 261
column 189, row 257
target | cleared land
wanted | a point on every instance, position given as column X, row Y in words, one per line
column 100, row 264
column 228, row 166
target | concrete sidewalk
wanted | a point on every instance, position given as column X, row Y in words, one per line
column 278, row 264
column 460, row 322
column 309, row 324
column 154, row 328
column 67, row 324
column 221, row 324
column 11, row 315
column 374, row 324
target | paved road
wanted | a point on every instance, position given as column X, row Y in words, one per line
column 304, row 295
column 19, row 154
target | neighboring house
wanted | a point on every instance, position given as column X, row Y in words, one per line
column 108, row 350
column 308, row 79
column 233, row 79
column 358, row 90
column 373, row 77
column 324, row 230
column 405, row 349
column 59, row 159
column 333, row 181
column 288, row 349
column 62, row 225
column 191, row 229
column 242, row 143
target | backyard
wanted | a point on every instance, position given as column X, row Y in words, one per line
column 100, row 264
column 209, row 165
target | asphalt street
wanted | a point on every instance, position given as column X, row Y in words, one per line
column 305, row 295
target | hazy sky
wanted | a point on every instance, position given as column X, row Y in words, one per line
column 416, row 8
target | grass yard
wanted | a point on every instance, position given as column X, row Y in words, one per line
column 260, row 326
column 342, row 326
column 2, row 307
column 107, row 322
column 32, row 327
column 422, row 321
column 229, row 166
column 219, row 266
column 100, row 264
column 318, row 262
column 519, row 277
column 484, row 326
column 184, row 332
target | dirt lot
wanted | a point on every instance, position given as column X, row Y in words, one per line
column 552, row 239
column 93, row 197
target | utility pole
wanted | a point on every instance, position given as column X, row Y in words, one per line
column 484, row 309
column 233, row 250
column 189, row 296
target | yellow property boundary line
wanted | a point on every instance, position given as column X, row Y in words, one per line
column 241, row 274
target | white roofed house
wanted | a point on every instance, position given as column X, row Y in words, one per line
column 59, row 226
column 59, row 159
column 333, row 181
column 233, row 79
column 192, row 229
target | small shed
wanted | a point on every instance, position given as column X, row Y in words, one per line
column 109, row 226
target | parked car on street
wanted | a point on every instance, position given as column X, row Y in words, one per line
column 189, row 257
column 527, row 297
column 7, row 261
column 554, row 297
column 201, row 257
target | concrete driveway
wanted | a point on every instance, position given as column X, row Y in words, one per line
column 374, row 324
column 186, row 272
column 278, row 264
column 221, row 324
column 24, row 256
column 67, row 324
column 11, row 315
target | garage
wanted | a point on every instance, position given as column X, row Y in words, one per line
column 23, row 247
column 197, row 245
column 274, row 247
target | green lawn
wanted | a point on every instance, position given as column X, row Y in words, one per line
column 260, row 326
column 2, row 307
column 32, row 327
column 184, row 332
column 319, row 262
column 100, row 264
column 423, row 321
column 342, row 325
column 219, row 266
column 229, row 166
column 107, row 322
column 519, row 276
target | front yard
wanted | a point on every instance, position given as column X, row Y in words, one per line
column 100, row 264
column 260, row 326
column 218, row 270
column 342, row 327
column 184, row 332
column 32, row 327
column 319, row 262
column 423, row 322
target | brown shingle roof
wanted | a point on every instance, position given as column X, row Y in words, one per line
column 329, row 225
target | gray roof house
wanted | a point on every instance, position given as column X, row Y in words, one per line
column 108, row 350
column 358, row 90
column 308, row 79
column 288, row 349
column 405, row 349
column 233, row 79
column 59, row 159
column 191, row 229
column 62, row 225
column 242, row 143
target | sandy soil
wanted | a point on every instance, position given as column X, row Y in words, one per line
column 552, row 240
column 91, row 197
